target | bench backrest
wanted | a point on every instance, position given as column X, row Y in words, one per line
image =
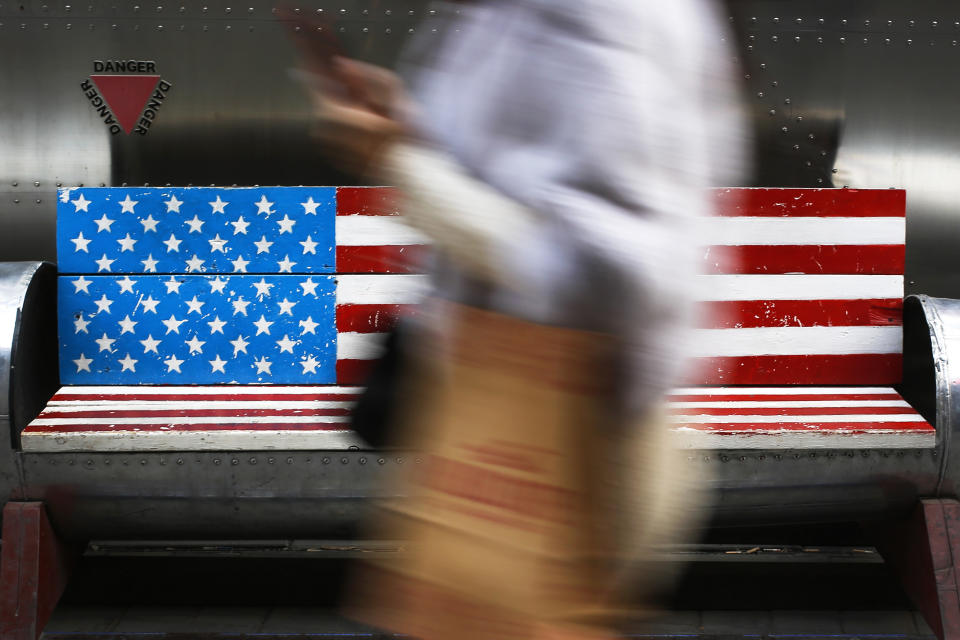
column 805, row 285
column 249, row 285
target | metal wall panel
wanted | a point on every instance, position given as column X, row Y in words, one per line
column 857, row 94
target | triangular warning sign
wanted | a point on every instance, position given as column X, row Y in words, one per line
column 126, row 96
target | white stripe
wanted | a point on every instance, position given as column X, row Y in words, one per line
column 359, row 346
column 176, row 405
column 761, row 391
column 787, row 404
column 381, row 289
column 798, row 287
column 224, row 390
column 780, row 440
column 873, row 418
column 259, row 440
column 796, row 341
column 171, row 420
column 355, row 231
column 747, row 230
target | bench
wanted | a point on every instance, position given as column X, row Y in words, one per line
column 802, row 351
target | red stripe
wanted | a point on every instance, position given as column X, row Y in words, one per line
column 728, row 397
column 819, row 428
column 866, row 369
column 371, row 318
column 846, row 203
column 401, row 258
column 736, row 314
column 273, row 426
column 368, row 201
column 352, row 371
column 189, row 413
column 787, row 411
column 127, row 397
column 879, row 259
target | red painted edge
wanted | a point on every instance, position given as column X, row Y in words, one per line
column 224, row 396
column 845, row 203
column 371, row 318
column 707, row 396
column 352, row 371
column 107, row 412
column 368, row 201
column 735, row 314
column 863, row 369
column 812, row 428
column 788, row 411
column 173, row 428
column 880, row 259
column 404, row 258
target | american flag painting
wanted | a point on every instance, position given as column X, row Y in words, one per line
column 275, row 285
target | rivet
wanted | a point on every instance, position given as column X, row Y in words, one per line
column 228, row 10
column 270, row 460
column 865, row 40
column 821, row 20
column 796, row 39
column 159, row 27
column 819, row 179
column 799, row 20
column 912, row 23
column 777, row 457
column 59, row 184
column 204, row 9
column 365, row 12
column 418, row 460
column 216, row 461
column 16, row 201
column 772, row 112
column 365, row 30
column 759, row 94
column 362, row 461
column 796, row 147
column 252, row 461
column 159, row 9
column 72, row 462
column 843, row 40
column 799, row 118
column 751, row 38
column 234, row 461
column 776, row 20
column 784, row 129
column 749, row 47
column 774, row 38
column 886, row 41
column 182, row 9
column 833, row 170
column 808, row 163
column 724, row 458
column 227, row 28
column 811, row 136
column 774, row 84
column 753, row 19
column 380, row 461
column 143, row 461
column 69, row 26
column 308, row 459
column 89, row 463
column 103, row 184
column 866, row 23
column 114, row 27
column 106, row 461
column 844, row 22
column 823, row 153
column 289, row 460
column 819, row 40
column 46, row 25
column 136, row 8
column 934, row 24
column 399, row 460
column 325, row 460
column 388, row 30
column 786, row 101
column 179, row 460
column 344, row 460
column 38, row 200
column 954, row 43
column 909, row 41
column 411, row 12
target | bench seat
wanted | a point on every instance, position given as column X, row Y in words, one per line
column 250, row 417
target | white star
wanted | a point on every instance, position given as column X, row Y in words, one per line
column 81, row 203
column 128, row 364
column 195, row 305
column 310, row 207
column 172, row 243
column 149, row 224
column 173, row 204
column 240, row 306
column 309, row 246
column 286, row 344
column 149, row 265
column 194, row 264
column 103, row 224
column 263, row 365
column 126, row 243
column 217, row 285
column 240, row 265
column 240, row 226
column 286, row 225
column 83, row 363
column 218, row 205
column 195, row 225
column 149, row 304
column 172, row 324
column 80, row 243
column 286, row 306
column 105, row 343
column 80, row 324
column 263, row 325
column 217, row 244
column 82, row 284
column 263, row 206
column 217, row 364
column 196, row 346
column 103, row 304
column 127, row 205
column 150, row 344
column 309, row 287
column 310, row 364
column 263, row 246
column 308, row 326
column 126, row 285
column 103, row 264
column 286, row 265
column 262, row 287
column 239, row 345
column 127, row 325
column 216, row 325
column 173, row 364
column 173, row 285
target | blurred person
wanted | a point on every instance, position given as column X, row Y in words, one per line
column 557, row 154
